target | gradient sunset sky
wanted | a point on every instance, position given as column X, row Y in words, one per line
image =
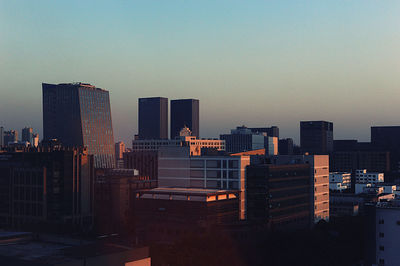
column 258, row 63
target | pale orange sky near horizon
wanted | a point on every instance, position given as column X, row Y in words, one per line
column 256, row 63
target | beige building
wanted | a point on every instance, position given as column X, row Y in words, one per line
column 195, row 145
column 177, row 168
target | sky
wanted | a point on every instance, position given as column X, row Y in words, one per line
column 253, row 63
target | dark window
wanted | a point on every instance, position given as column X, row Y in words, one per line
column 381, row 248
column 381, row 234
column 381, row 221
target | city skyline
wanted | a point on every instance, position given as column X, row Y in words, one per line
column 246, row 62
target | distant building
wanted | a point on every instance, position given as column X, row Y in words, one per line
column 319, row 175
column 362, row 176
column 316, row 137
column 176, row 168
column 339, row 181
column 10, row 136
column 1, row 137
column 35, row 140
column 27, row 134
column 272, row 145
column 79, row 114
column 184, row 211
column 195, row 145
column 243, row 139
column 386, row 138
column 185, row 113
column 119, row 154
column 269, row 131
column 350, row 161
column 285, row 146
column 279, row 195
column 46, row 189
column 153, row 118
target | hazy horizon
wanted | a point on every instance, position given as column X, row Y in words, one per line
column 254, row 63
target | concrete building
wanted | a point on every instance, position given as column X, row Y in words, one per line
column 319, row 174
column 153, row 118
column 46, row 189
column 79, row 114
column 339, row 181
column 119, row 154
column 195, row 145
column 362, row 177
column 168, row 214
column 176, row 168
column 279, row 195
column 243, row 139
column 383, row 234
column 185, row 113
column 316, row 137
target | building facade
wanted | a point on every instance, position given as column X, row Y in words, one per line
column 362, row 176
column 279, row 195
column 10, row 136
column 153, row 118
column 195, row 145
column 176, row 168
column 269, row 131
column 185, row 113
column 47, row 189
column 243, row 139
column 79, row 114
column 316, row 137
column 339, row 181
column 119, row 154
column 319, row 174
column 386, row 138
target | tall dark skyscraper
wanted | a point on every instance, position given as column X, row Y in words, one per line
column 79, row 114
column 153, row 118
column 27, row 134
column 316, row 137
column 185, row 113
column 387, row 138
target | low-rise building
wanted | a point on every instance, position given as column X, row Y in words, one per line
column 167, row 214
column 362, row 176
column 339, row 181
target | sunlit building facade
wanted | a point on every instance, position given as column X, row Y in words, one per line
column 79, row 114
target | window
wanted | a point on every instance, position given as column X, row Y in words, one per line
column 381, row 234
column 398, row 222
column 381, row 221
column 381, row 261
column 382, row 248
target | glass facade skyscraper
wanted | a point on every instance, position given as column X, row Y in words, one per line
column 153, row 118
column 184, row 112
column 79, row 114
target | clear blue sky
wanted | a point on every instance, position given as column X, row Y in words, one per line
column 257, row 63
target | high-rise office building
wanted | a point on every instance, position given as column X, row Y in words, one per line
column 316, row 137
column 119, row 154
column 184, row 113
column 153, row 118
column 35, row 140
column 286, row 146
column 79, row 114
column 27, row 134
